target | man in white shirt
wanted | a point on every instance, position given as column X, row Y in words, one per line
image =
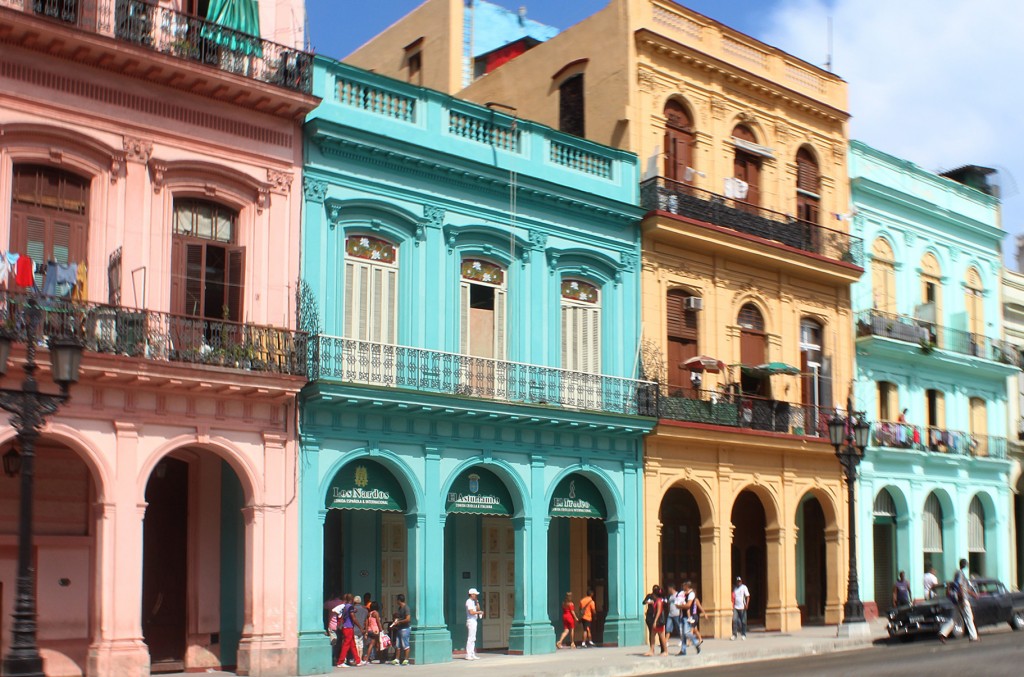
column 930, row 581
column 740, row 604
column 473, row 613
column 674, row 600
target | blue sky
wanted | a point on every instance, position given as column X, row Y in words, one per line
column 935, row 82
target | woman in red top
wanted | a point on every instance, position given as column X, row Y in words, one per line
column 568, row 622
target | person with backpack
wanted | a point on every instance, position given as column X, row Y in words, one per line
column 960, row 592
column 345, row 624
column 656, row 616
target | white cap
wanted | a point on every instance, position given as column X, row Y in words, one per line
column 474, row 591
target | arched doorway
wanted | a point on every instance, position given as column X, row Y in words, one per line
column 812, row 572
column 680, row 539
column 193, row 563
column 933, row 534
column 64, row 549
column 976, row 537
column 884, row 549
column 479, row 552
column 365, row 535
column 577, row 549
column 750, row 552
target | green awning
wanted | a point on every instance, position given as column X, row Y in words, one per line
column 242, row 16
column 478, row 491
column 365, row 485
column 576, row 496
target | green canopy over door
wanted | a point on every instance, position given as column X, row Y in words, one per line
column 576, row 496
column 478, row 491
column 365, row 485
column 242, row 16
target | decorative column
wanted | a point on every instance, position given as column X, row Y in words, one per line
column 533, row 633
column 777, row 613
column 431, row 641
column 314, row 652
column 709, row 594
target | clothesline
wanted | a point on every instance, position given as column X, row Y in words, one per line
column 73, row 278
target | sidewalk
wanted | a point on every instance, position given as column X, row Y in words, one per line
column 608, row 662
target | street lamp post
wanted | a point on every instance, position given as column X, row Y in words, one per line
column 850, row 435
column 29, row 408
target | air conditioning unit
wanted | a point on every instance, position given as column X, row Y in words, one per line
column 693, row 303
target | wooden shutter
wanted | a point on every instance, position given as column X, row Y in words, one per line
column 464, row 327
column 499, row 324
column 195, row 260
column 235, row 283
column 807, row 172
column 351, row 300
column 371, row 293
column 932, row 525
column 976, row 526
column 177, row 276
column 35, row 244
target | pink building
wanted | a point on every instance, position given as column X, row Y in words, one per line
column 163, row 152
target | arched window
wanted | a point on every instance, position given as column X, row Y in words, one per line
column 976, row 536
column 49, row 215
column 746, row 168
column 884, row 507
column 207, row 266
column 883, row 276
column 974, row 304
column 752, row 349
column 482, row 291
column 815, row 369
column 581, row 326
column 681, row 322
column 930, row 309
column 808, row 187
column 931, row 524
column 371, row 289
column 679, row 142
column 571, row 106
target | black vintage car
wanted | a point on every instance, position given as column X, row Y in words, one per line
column 993, row 605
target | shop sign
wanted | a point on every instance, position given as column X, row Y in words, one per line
column 365, row 485
column 478, row 491
column 576, row 496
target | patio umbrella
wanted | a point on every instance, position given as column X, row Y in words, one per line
column 771, row 368
column 704, row 363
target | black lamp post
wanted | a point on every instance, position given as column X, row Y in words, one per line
column 29, row 408
column 850, row 435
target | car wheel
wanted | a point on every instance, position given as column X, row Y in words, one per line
column 1017, row 620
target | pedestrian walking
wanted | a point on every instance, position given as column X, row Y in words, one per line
column 401, row 626
column 961, row 590
column 359, row 616
column 371, row 643
column 901, row 591
column 696, row 611
column 568, row 622
column 588, row 607
column 931, row 581
column 345, row 625
column 473, row 614
column 672, row 622
column 655, row 616
column 740, row 606
column 686, row 617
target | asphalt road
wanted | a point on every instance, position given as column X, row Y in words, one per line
column 1001, row 652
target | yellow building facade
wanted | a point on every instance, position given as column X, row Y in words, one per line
column 747, row 265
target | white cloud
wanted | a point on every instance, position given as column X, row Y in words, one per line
column 932, row 81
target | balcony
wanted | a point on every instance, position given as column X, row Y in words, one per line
column 432, row 371
column 937, row 440
column 181, row 36
column 161, row 337
column 746, row 412
column 928, row 336
column 666, row 195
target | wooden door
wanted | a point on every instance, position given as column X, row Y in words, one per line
column 678, row 153
column 680, row 350
column 164, row 565
column 884, row 557
column 394, row 561
column 499, row 576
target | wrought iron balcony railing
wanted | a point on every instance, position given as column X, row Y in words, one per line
column 929, row 336
column 434, row 371
column 746, row 412
column 895, row 435
column 161, row 337
column 679, row 198
column 153, row 26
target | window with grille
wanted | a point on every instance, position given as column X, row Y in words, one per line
column 207, row 267
column 931, row 520
column 49, row 215
column 581, row 326
column 571, row 106
column 371, row 289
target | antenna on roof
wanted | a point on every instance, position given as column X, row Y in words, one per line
column 828, row 58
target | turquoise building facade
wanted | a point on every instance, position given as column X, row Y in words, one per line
column 473, row 417
column 931, row 374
